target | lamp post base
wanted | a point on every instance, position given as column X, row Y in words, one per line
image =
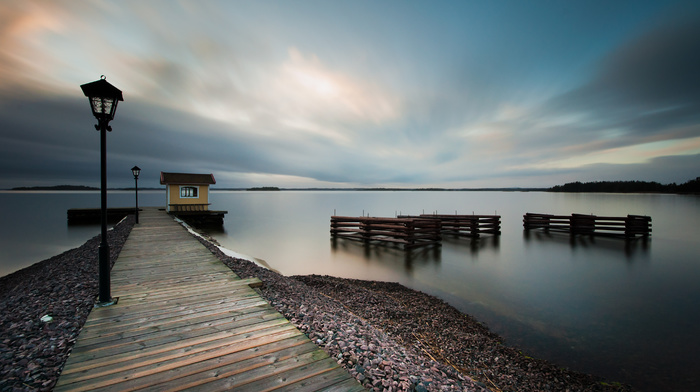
column 111, row 302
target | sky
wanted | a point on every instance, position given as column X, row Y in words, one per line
column 343, row 94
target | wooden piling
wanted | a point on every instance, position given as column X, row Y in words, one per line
column 408, row 232
column 631, row 226
column 465, row 225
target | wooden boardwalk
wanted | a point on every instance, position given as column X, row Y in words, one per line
column 185, row 321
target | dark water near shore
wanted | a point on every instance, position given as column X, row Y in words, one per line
column 628, row 311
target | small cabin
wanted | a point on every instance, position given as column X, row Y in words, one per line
column 186, row 192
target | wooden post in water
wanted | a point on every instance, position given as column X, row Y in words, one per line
column 474, row 227
column 582, row 224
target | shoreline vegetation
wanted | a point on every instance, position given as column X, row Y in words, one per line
column 387, row 336
column 692, row 186
column 689, row 187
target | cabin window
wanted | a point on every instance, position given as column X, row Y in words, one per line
column 189, row 192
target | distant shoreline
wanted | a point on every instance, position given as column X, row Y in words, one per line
column 56, row 188
column 73, row 188
column 689, row 187
column 87, row 189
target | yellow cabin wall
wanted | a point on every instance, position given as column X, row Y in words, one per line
column 173, row 195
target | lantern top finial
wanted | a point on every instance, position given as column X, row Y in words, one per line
column 102, row 89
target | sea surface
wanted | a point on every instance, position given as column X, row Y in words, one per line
column 625, row 310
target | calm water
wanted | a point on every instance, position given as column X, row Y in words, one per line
column 627, row 311
column 34, row 223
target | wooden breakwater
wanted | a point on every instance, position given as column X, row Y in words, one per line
column 631, row 226
column 193, row 215
column 93, row 215
column 201, row 218
column 465, row 225
column 408, row 232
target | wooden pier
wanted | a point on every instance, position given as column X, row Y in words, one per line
column 631, row 226
column 93, row 215
column 408, row 232
column 465, row 225
column 185, row 321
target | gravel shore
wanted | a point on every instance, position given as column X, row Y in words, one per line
column 33, row 352
column 389, row 337
column 394, row 338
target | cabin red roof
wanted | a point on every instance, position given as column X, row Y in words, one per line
column 186, row 178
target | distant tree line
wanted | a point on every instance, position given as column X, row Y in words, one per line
column 692, row 186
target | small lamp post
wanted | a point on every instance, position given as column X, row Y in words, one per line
column 136, row 171
column 103, row 99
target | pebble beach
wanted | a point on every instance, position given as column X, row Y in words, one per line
column 389, row 337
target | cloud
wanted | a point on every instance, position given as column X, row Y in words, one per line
column 20, row 25
column 644, row 88
column 642, row 102
column 238, row 91
column 665, row 170
column 308, row 86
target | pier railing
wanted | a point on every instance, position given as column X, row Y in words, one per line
column 409, row 232
column 465, row 225
column 631, row 226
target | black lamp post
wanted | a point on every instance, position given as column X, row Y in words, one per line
column 136, row 171
column 103, row 99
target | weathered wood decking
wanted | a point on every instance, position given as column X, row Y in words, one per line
column 184, row 321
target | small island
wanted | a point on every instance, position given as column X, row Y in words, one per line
column 56, row 188
column 264, row 188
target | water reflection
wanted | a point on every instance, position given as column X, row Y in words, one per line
column 475, row 245
column 211, row 229
column 629, row 310
column 386, row 254
column 630, row 247
column 411, row 258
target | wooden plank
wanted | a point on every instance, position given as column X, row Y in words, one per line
column 127, row 361
column 200, row 368
column 263, row 378
column 122, row 315
column 166, row 340
column 177, row 324
column 131, row 375
column 288, row 373
column 159, row 292
column 144, row 318
column 170, row 305
column 328, row 382
column 191, row 281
